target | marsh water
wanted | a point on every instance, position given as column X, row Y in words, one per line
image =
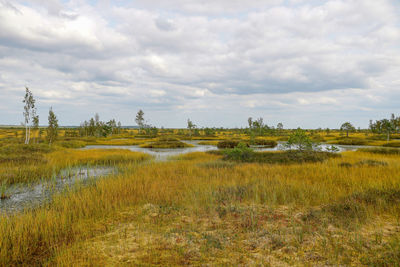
column 25, row 196
column 162, row 154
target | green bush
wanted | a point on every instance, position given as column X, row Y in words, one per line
column 241, row 153
column 265, row 143
column 285, row 157
column 166, row 144
column 227, row 144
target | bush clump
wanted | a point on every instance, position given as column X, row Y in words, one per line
column 243, row 153
column 381, row 150
column 169, row 143
column 239, row 153
column 227, row 144
column 265, row 143
column 257, row 142
column 70, row 144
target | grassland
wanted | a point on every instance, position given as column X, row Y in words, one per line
column 29, row 163
column 200, row 209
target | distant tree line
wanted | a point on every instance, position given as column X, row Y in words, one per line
column 96, row 127
column 385, row 126
column 259, row 128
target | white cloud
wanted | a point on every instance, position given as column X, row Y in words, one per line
column 288, row 58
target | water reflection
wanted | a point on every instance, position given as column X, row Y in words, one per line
column 25, row 196
column 162, row 154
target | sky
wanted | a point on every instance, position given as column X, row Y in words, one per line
column 306, row 64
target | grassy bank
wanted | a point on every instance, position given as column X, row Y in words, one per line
column 166, row 142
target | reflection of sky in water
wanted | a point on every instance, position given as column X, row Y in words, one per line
column 164, row 153
column 25, row 196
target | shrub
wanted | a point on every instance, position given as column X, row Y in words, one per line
column 265, row 143
column 284, row 157
column 241, row 152
column 293, row 156
column 166, row 144
column 227, row 144
column 301, row 141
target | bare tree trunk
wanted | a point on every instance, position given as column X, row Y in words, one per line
column 26, row 134
column 29, row 134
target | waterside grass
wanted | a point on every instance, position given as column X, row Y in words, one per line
column 25, row 164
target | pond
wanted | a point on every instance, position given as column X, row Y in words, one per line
column 162, row 154
column 25, row 196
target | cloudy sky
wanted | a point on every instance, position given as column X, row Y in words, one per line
column 303, row 63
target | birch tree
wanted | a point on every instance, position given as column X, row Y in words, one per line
column 140, row 120
column 29, row 113
column 52, row 129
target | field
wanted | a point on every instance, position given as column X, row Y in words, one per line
column 204, row 208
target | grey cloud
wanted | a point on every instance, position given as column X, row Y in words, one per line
column 164, row 24
column 184, row 56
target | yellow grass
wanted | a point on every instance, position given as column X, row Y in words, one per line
column 182, row 212
column 51, row 163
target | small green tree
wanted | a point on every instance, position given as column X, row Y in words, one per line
column 140, row 120
column 388, row 127
column 300, row 141
column 259, row 125
column 52, row 129
column 250, row 122
column 279, row 128
column 347, row 127
column 190, row 126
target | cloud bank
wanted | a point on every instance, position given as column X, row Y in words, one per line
column 303, row 63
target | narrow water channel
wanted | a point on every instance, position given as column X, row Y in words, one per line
column 26, row 196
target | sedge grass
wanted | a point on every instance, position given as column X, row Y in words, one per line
column 246, row 203
column 38, row 166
